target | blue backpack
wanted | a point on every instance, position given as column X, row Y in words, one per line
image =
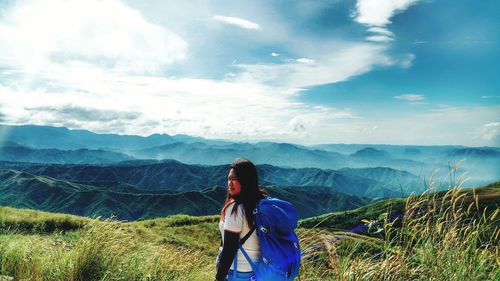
column 275, row 222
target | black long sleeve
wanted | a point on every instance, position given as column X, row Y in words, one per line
column 226, row 258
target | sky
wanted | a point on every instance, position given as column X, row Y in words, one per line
column 307, row 72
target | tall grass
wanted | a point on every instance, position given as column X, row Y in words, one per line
column 445, row 237
column 104, row 250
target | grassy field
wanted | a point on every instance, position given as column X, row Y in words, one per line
column 450, row 235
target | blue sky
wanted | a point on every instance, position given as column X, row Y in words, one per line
column 307, row 72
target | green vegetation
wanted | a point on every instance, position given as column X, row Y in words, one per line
column 449, row 235
column 172, row 176
column 24, row 190
column 29, row 221
column 163, row 249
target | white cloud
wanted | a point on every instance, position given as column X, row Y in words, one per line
column 492, row 125
column 238, row 111
column 473, row 127
column 488, row 132
column 338, row 64
column 434, row 128
column 407, row 60
column 274, row 54
column 381, row 34
column 376, row 14
column 440, row 126
column 381, row 31
column 35, row 34
column 379, row 38
column 410, row 97
column 241, row 111
column 99, row 60
column 104, row 62
column 379, row 12
column 246, row 24
column 305, row 61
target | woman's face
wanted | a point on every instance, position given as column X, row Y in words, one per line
column 233, row 184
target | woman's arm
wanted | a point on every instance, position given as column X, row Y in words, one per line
column 231, row 240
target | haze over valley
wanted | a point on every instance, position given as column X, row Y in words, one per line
column 134, row 177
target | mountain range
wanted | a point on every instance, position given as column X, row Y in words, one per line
column 24, row 190
column 11, row 151
column 174, row 176
column 30, row 143
column 135, row 177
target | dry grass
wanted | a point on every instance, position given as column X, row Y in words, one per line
column 103, row 250
column 441, row 238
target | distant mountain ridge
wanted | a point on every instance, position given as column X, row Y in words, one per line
column 388, row 177
column 481, row 163
column 24, row 190
column 173, row 176
column 15, row 152
column 278, row 154
column 482, row 152
column 370, row 152
column 63, row 138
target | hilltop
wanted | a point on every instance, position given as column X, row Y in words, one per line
column 36, row 245
column 489, row 196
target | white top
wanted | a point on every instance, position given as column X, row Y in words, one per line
column 237, row 222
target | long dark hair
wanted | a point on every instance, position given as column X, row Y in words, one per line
column 250, row 193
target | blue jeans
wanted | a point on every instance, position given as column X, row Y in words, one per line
column 241, row 276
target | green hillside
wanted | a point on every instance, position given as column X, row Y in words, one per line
column 454, row 239
column 173, row 176
column 489, row 196
column 24, row 190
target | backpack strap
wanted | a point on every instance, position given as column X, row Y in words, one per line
column 245, row 238
column 242, row 241
column 252, row 264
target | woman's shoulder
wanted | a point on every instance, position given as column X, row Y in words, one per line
column 231, row 206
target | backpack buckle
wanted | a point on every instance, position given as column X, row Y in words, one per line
column 255, row 211
column 263, row 229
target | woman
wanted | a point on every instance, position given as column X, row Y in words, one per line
column 237, row 221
